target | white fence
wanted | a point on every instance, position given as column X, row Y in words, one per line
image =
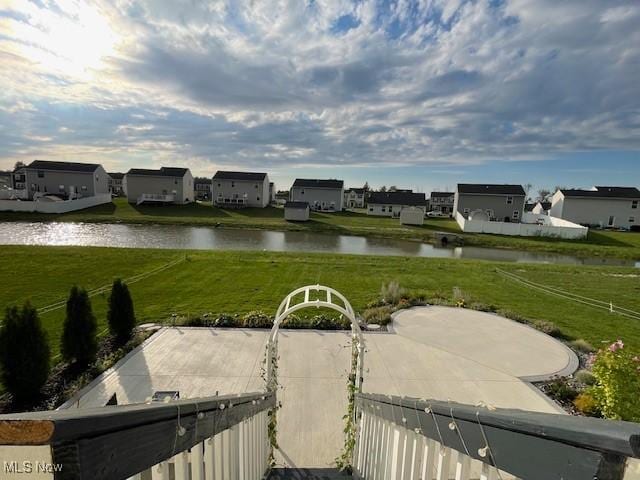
column 535, row 225
column 54, row 207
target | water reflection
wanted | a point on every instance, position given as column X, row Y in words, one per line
column 209, row 238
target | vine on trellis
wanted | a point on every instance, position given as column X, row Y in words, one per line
column 344, row 460
column 271, row 383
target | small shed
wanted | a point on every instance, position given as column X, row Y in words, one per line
column 296, row 211
column 412, row 216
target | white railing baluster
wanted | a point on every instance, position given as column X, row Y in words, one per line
column 488, row 472
column 362, row 433
column 377, row 474
column 209, row 460
column 197, row 462
column 442, row 463
column 389, row 452
column 408, row 452
column 234, row 452
column 416, row 455
column 368, row 457
column 181, row 465
column 218, row 457
column 160, row 471
column 463, row 466
column 252, row 447
column 384, row 450
column 397, row 453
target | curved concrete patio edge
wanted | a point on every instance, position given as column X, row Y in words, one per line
column 571, row 366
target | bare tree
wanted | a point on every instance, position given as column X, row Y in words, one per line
column 543, row 195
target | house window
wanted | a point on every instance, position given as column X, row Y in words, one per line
column 233, row 184
column 256, row 185
column 516, row 214
column 84, row 188
column 301, row 192
column 509, row 200
column 175, row 181
column 371, row 209
column 384, row 209
column 218, row 184
column 40, row 174
column 632, row 219
column 258, row 199
column 634, row 204
column 61, row 188
column 465, row 211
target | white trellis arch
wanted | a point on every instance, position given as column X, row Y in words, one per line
column 326, row 297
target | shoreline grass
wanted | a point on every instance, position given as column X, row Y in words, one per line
column 235, row 282
column 599, row 244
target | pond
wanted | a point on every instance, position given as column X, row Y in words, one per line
column 210, row 238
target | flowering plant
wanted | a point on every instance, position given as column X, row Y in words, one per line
column 617, row 389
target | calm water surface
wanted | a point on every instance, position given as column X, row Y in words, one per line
column 209, row 238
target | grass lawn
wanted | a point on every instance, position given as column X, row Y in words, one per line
column 599, row 243
column 238, row 282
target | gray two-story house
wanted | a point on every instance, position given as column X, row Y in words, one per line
column 67, row 180
column 165, row 185
column 614, row 207
column 390, row 204
column 501, row 203
column 240, row 189
column 442, row 202
column 321, row 195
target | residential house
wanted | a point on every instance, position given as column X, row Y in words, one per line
column 355, row 198
column 442, row 202
column 502, row 203
column 541, row 208
column 296, row 211
column 390, row 204
column 67, row 180
column 240, row 189
column 321, row 195
column 115, row 183
column 165, row 185
column 615, row 207
column 202, row 188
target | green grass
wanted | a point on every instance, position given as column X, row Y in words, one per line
column 239, row 282
column 622, row 245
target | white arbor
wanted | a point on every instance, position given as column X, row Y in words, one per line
column 326, row 297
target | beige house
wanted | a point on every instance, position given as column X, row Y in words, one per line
column 501, row 203
column 604, row 207
column 355, row 198
column 115, row 183
column 68, row 180
column 165, row 185
column 321, row 195
column 240, row 189
column 390, row 204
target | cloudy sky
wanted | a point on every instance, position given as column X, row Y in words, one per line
column 419, row 94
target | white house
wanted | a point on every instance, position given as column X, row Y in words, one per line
column 442, row 202
column 296, row 211
column 62, row 179
column 321, row 195
column 601, row 207
column 390, row 204
column 354, row 198
column 240, row 189
column 115, row 183
column 165, row 185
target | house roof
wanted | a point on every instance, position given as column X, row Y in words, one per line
column 315, row 183
column 603, row 192
column 246, row 176
column 490, row 189
column 116, row 175
column 297, row 205
column 529, row 206
column 398, row 198
column 545, row 205
column 162, row 172
column 63, row 166
column 356, row 190
column 442, row 194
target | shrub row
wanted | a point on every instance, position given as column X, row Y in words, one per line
column 25, row 353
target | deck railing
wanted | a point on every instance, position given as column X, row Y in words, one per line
column 156, row 197
column 211, row 438
column 402, row 438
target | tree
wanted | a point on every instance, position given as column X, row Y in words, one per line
column 24, row 354
column 392, row 188
column 79, row 342
column 543, row 194
column 121, row 316
column 366, row 186
column 383, row 188
column 19, row 164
